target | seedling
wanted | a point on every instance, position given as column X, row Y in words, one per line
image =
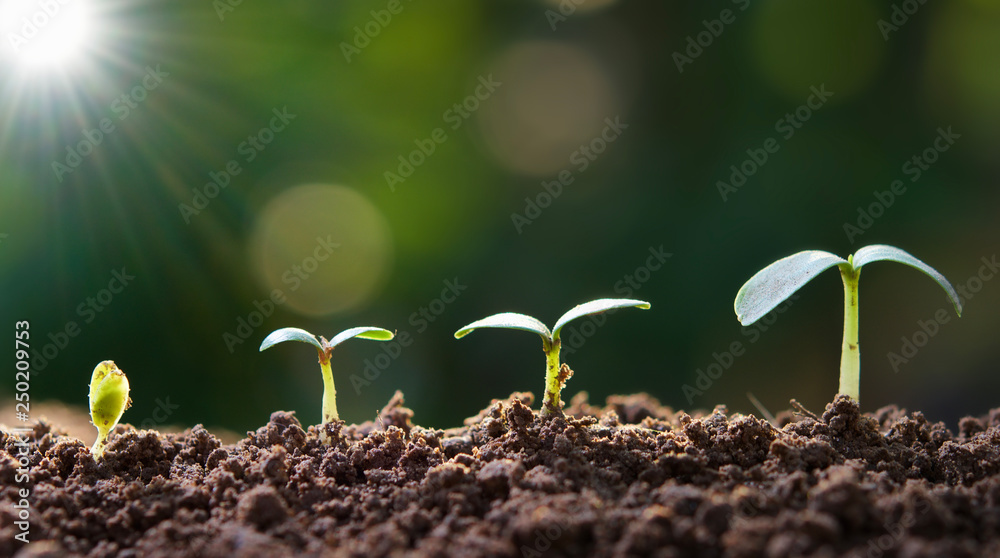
column 325, row 348
column 776, row 282
column 555, row 375
column 108, row 400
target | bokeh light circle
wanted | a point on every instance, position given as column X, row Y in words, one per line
column 326, row 247
column 961, row 84
column 554, row 98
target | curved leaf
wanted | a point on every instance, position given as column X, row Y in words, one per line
column 373, row 333
column 508, row 320
column 884, row 252
column 776, row 282
column 596, row 307
column 290, row 334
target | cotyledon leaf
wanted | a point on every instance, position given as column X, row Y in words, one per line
column 373, row 333
column 508, row 320
column 290, row 334
column 596, row 307
column 883, row 252
column 109, row 398
column 770, row 286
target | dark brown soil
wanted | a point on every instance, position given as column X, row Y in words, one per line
column 630, row 479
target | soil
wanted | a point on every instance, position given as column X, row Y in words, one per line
column 633, row 478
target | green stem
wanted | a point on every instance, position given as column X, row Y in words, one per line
column 329, row 392
column 551, row 405
column 850, row 358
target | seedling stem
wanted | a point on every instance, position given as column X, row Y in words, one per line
column 330, row 413
column 551, row 403
column 850, row 356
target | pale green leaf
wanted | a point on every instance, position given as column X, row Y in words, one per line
column 290, row 334
column 373, row 333
column 770, row 286
column 508, row 320
column 883, row 252
column 596, row 307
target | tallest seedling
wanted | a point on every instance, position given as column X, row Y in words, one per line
column 776, row 282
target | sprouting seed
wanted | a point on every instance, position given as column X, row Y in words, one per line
column 108, row 400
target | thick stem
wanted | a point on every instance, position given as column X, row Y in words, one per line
column 850, row 357
column 551, row 405
column 329, row 392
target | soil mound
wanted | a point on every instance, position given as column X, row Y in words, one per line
column 632, row 478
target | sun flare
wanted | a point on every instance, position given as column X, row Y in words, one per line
column 46, row 34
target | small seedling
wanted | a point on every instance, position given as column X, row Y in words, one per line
column 776, row 282
column 555, row 375
column 325, row 348
column 108, row 400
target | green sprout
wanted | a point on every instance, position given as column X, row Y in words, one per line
column 108, row 400
column 325, row 348
column 776, row 282
column 555, row 375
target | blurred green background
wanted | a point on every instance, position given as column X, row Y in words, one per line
column 640, row 109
